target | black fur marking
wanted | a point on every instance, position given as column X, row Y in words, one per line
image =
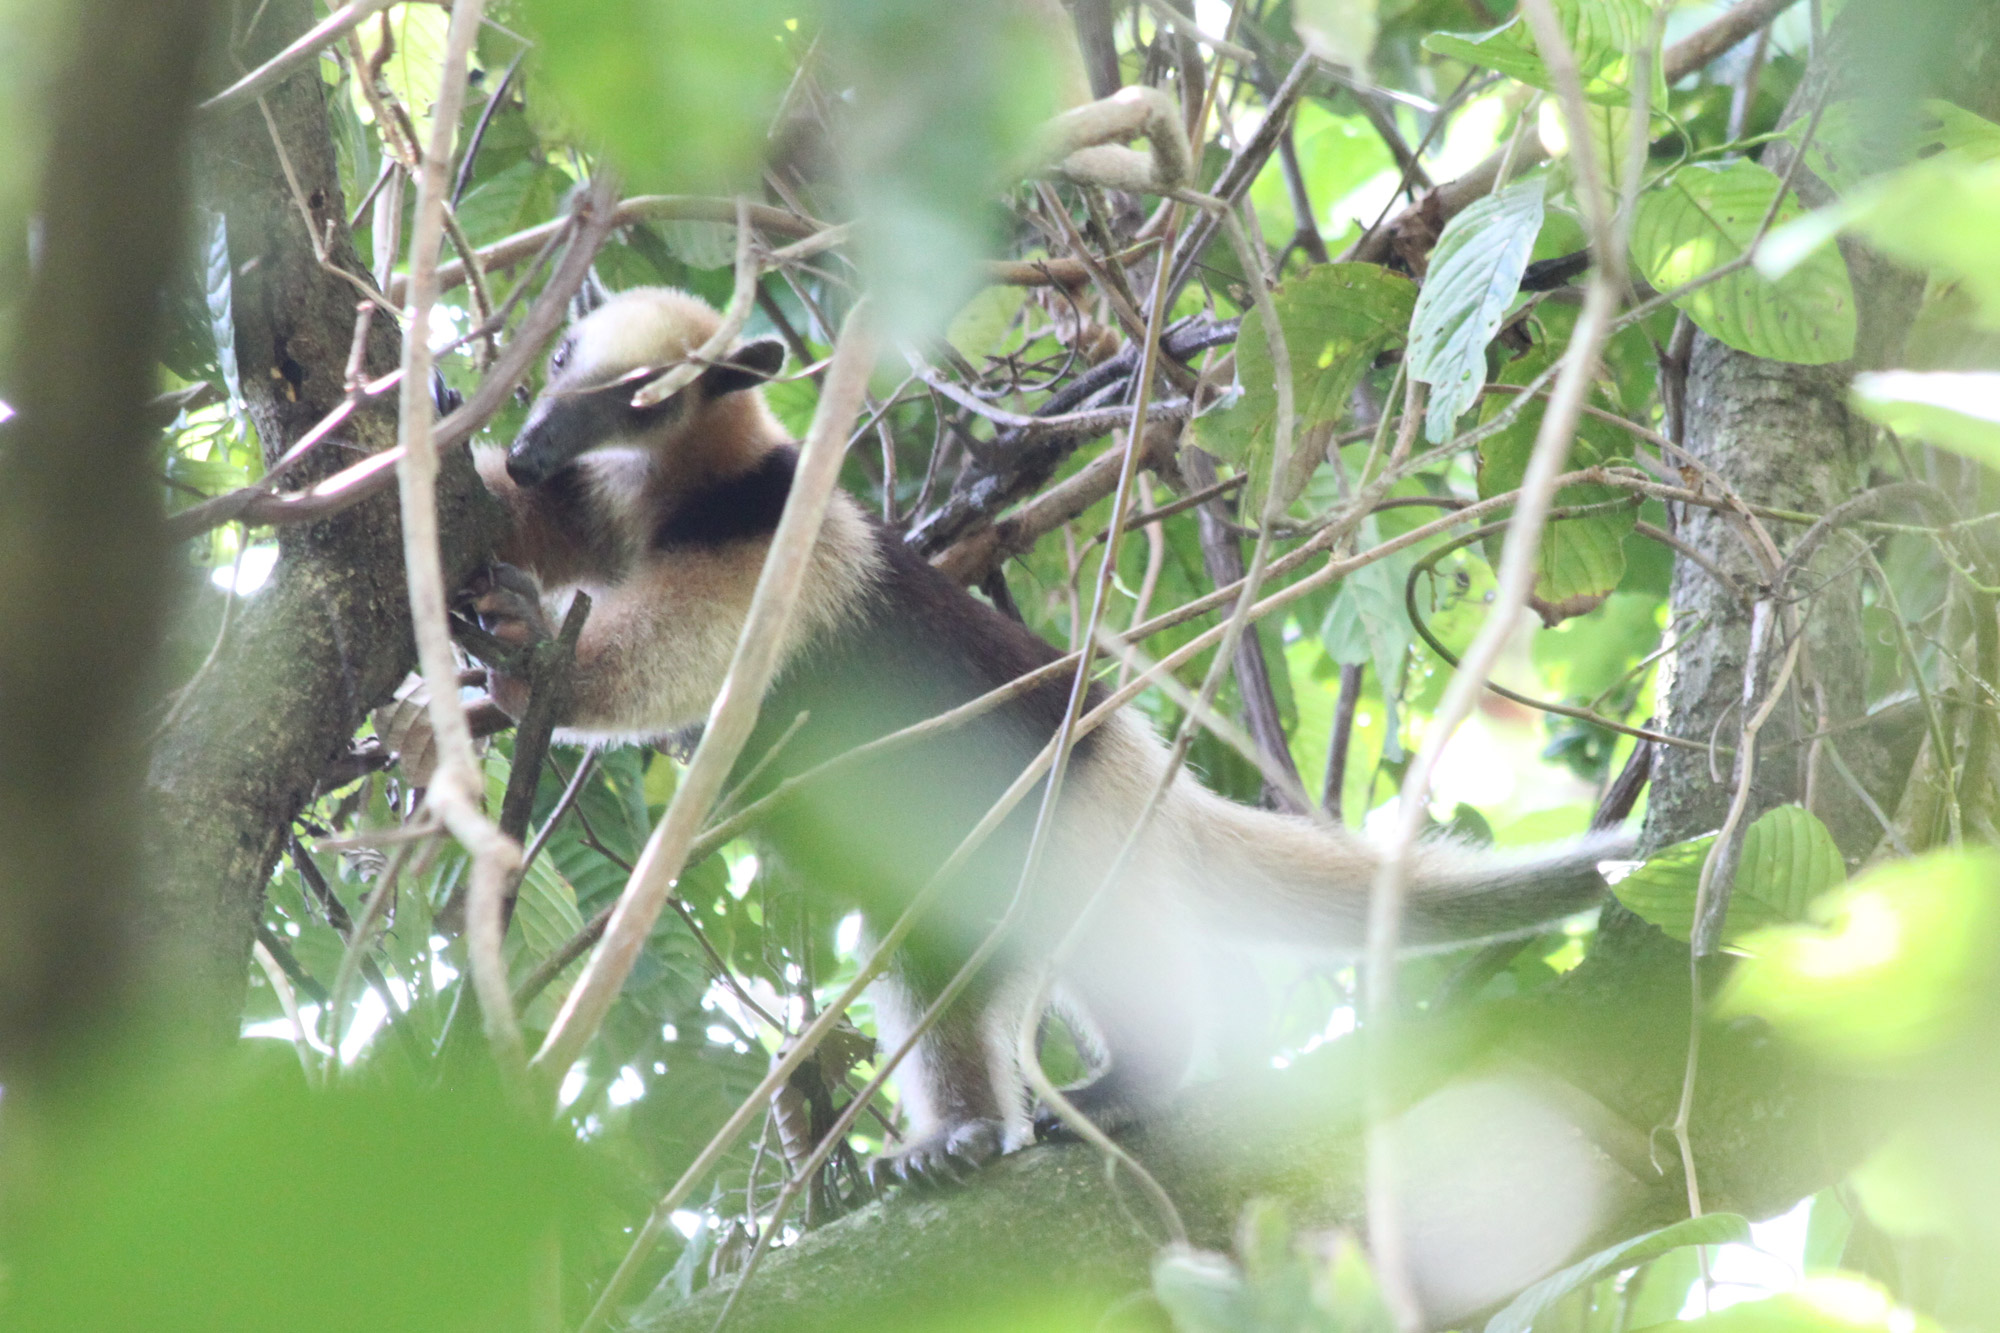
column 567, row 424
column 872, row 834
column 734, row 510
column 747, row 367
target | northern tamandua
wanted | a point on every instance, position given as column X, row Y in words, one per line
column 663, row 515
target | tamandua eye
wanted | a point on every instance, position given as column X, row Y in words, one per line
column 559, row 358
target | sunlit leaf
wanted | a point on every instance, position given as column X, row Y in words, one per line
column 1709, row 1229
column 1339, row 31
column 1829, row 1303
column 1474, row 273
column 1788, row 860
column 681, row 95
column 980, row 328
column 1603, row 34
column 1959, row 410
column 1336, row 155
column 1583, row 558
column 1906, row 953
column 1707, row 216
column 1337, row 318
column 415, row 38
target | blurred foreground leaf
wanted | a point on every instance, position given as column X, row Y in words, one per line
column 1906, row 956
column 275, row 1207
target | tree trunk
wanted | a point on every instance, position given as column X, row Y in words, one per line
column 329, row 637
column 82, row 555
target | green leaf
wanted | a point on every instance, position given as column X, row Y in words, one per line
column 942, row 105
column 1709, row 1229
column 545, row 918
column 1366, row 624
column 1340, row 31
column 1203, row 1292
column 1474, row 273
column 1581, row 559
column 1658, row 1292
column 1788, row 860
column 1604, row 35
column 1707, row 216
column 1855, row 140
column 1828, row 1226
column 217, row 286
column 1337, row 318
column 1830, row 1303
column 1903, row 963
column 194, row 1213
column 510, row 200
column 680, row 95
column 415, row 66
column 984, row 326
column 1940, row 215
column 1336, row 153
column 1956, row 409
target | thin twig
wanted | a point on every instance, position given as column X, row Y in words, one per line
column 457, row 790
column 1514, row 581
column 269, row 74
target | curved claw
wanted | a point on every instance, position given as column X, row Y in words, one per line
column 1052, row 1128
column 946, row 1158
column 508, row 603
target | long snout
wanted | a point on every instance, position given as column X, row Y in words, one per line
column 555, row 435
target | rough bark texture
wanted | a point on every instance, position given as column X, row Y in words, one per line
column 1782, row 435
column 329, row 637
column 81, row 551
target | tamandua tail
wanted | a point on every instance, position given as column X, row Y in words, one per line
column 1288, row 879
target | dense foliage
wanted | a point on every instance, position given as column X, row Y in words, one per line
column 899, row 149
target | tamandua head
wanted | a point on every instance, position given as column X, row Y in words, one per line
column 712, row 427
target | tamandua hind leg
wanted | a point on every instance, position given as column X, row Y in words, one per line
column 958, row 1121
column 1133, row 989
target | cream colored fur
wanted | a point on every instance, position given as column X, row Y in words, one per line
column 657, row 647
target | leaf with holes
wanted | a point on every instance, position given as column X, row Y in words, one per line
column 1603, row 34
column 1474, row 273
column 1336, row 318
column 1788, row 860
column 1853, row 141
column 1706, row 217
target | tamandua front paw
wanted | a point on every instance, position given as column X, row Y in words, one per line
column 946, row 1157
column 508, row 604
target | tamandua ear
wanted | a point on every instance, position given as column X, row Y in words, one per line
column 747, row 367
